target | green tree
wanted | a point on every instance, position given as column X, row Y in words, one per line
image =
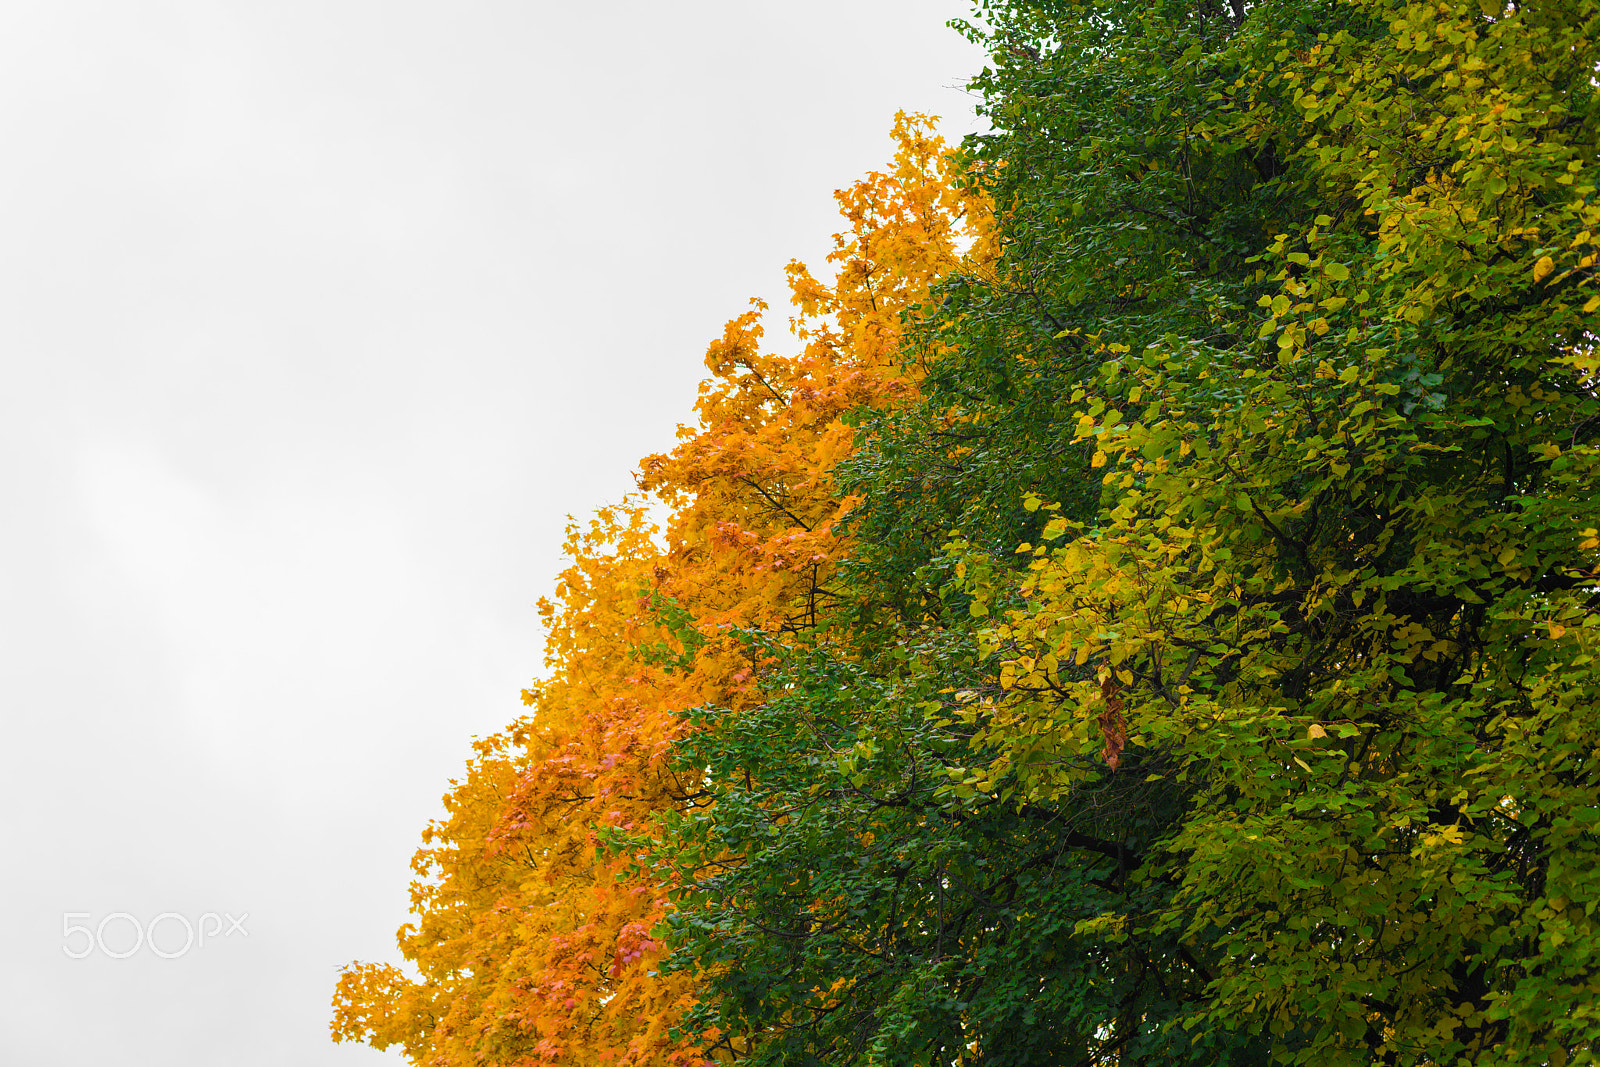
column 1344, row 586
column 847, row 909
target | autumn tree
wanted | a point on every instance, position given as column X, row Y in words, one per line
column 535, row 939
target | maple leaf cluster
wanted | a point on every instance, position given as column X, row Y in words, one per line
column 535, row 897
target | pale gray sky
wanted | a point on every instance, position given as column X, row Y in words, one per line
column 316, row 321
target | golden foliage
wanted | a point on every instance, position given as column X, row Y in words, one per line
column 535, row 940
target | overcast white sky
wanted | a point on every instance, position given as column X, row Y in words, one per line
column 316, row 321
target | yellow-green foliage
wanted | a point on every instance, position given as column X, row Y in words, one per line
column 1344, row 585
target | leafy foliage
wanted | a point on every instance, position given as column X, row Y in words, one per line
column 1152, row 621
column 1344, row 588
column 535, row 940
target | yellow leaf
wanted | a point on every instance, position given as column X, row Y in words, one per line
column 1316, row 730
column 1543, row 267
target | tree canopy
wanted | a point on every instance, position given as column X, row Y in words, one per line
column 1153, row 620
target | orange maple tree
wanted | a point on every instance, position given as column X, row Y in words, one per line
column 535, row 934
